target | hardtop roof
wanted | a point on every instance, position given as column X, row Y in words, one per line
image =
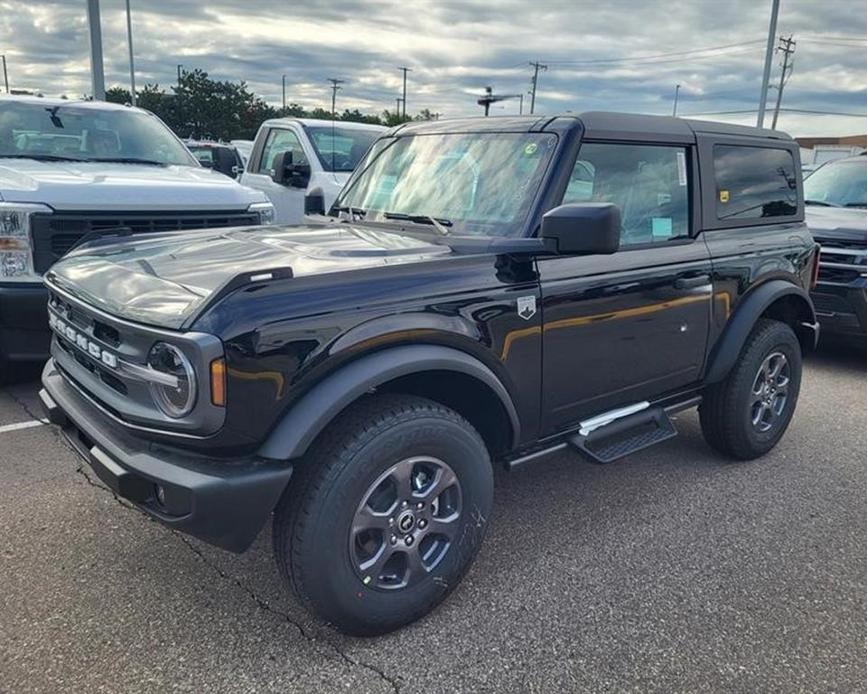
column 596, row 125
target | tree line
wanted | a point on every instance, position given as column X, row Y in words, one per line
column 202, row 108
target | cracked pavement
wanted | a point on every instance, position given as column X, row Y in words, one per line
column 671, row 571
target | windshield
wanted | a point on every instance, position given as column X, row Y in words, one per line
column 470, row 183
column 87, row 134
column 340, row 149
column 839, row 184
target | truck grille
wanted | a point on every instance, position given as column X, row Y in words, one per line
column 54, row 235
column 841, row 262
column 104, row 358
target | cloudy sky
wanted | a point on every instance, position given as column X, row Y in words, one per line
column 612, row 54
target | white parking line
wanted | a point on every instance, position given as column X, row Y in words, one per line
column 22, row 425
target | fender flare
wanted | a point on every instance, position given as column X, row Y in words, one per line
column 747, row 312
column 307, row 417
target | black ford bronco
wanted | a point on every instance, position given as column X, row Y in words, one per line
column 483, row 290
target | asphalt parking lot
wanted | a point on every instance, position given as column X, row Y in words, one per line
column 671, row 571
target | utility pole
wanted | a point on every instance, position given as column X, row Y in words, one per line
column 537, row 66
column 398, row 101
column 178, row 97
column 283, row 87
column 767, row 68
column 405, row 70
column 132, row 65
column 335, row 86
column 675, row 104
column 96, row 71
column 5, row 74
column 521, row 104
column 788, row 47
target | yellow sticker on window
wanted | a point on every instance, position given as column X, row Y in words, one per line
column 724, row 196
column 530, row 148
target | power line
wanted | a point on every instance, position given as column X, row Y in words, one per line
column 661, row 61
column 783, row 110
column 655, row 56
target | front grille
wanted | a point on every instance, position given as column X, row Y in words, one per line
column 106, row 357
column 54, row 235
column 842, row 262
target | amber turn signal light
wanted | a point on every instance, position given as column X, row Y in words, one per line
column 218, row 382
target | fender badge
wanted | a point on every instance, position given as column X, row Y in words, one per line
column 526, row 306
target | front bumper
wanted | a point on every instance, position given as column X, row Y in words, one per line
column 224, row 502
column 841, row 309
column 24, row 334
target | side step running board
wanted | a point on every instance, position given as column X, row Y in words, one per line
column 616, row 434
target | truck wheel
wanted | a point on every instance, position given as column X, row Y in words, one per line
column 388, row 514
column 746, row 414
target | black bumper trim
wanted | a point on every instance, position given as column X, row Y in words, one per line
column 224, row 502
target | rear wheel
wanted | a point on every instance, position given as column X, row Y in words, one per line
column 746, row 414
column 388, row 516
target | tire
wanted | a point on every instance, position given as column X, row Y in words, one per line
column 320, row 536
column 740, row 416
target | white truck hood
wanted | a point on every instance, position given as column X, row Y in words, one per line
column 129, row 187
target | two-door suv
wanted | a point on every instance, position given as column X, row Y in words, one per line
column 484, row 290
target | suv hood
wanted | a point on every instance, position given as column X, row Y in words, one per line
column 128, row 187
column 838, row 223
column 164, row 279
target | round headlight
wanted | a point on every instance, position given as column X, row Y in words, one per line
column 175, row 400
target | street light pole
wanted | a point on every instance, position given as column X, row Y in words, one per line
column 767, row 68
column 675, row 104
column 283, row 87
column 405, row 70
column 5, row 74
column 132, row 65
column 96, row 69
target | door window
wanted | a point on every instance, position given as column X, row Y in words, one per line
column 277, row 142
column 648, row 183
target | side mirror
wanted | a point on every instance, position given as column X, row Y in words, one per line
column 224, row 160
column 285, row 173
column 314, row 202
column 587, row 228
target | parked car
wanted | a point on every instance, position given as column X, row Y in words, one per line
column 219, row 156
column 72, row 168
column 301, row 164
column 835, row 213
column 493, row 289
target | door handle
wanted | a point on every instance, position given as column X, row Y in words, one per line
column 691, row 282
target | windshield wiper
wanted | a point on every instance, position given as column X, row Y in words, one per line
column 41, row 157
column 439, row 224
column 854, row 204
column 353, row 211
column 821, row 203
column 127, row 160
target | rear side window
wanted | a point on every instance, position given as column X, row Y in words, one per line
column 754, row 182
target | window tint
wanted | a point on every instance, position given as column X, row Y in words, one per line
column 648, row 184
column 277, row 142
column 754, row 182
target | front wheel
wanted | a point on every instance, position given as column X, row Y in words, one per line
column 389, row 515
column 746, row 414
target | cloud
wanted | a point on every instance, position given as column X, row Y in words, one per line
column 456, row 48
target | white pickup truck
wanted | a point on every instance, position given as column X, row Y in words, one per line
column 73, row 168
column 302, row 164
